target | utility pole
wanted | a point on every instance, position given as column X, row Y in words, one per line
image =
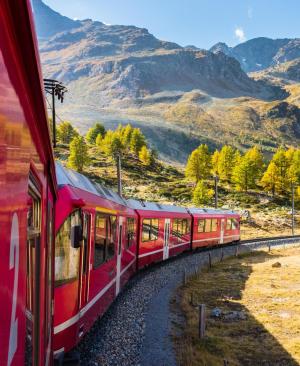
column 293, row 209
column 55, row 89
column 216, row 178
column 119, row 175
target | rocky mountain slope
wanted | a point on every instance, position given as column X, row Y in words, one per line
column 261, row 53
column 182, row 95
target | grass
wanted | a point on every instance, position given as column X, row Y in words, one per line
column 267, row 297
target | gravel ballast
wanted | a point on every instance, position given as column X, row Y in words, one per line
column 136, row 328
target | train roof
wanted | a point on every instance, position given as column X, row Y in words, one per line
column 210, row 211
column 153, row 206
column 70, row 177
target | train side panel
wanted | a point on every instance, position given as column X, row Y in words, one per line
column 27, row 193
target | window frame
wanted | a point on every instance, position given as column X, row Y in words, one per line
column 150, row 230
column 111, row 229
column 130, row 234
column 59, row 283
column 203, row 226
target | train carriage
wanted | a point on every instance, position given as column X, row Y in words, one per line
column 163, row 231
column 213, row 227
column 95, row 254
column 27, row 195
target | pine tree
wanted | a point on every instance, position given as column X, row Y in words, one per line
column 79, row 157
column 126, row 134
column 199, row 164
column 145, row 156
column 202, row 194
column 65, row 132
column 94, row 131
column 226, row 162
column 137, row 141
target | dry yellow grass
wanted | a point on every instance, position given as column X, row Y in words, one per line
column 268, row 297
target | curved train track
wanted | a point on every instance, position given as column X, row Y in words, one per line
column 136, row 328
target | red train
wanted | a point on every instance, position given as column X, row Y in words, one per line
column 27, row 195
column 102, row 240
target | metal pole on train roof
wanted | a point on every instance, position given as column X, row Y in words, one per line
column 119, row 175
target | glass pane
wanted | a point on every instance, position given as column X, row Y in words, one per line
column 146, row 230
column 228, row 224
column 214, row 225
column 66, row 257
column 154, row 229
column 100, row 240
column 112, row 236
column 201, row 226
column 208, row 225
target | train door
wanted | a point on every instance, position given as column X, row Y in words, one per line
column 119, row 256
column 166, row 239
column 84, row 259
column 223, row 221
column 33, row 274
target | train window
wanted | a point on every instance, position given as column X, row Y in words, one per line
column 214, row 225
column 105, row 238
column 180, row 227
column 201, row 225
column 228, row 224
column 130, row 231
column 112, row 238
column 235, row 224
column 149, row 230
column 66, row 257
column 207, row 225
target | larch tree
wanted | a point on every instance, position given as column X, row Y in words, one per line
column 215, row 162
column 199, row 164
column 94, row 131
column 65, row 132
column 269, row 180
column 282, row 164
column 79, row 157
column 293, row 172
column 202, row 194
column 137, row 141
column 226, row 162
column 145, row 156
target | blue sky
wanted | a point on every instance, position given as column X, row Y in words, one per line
column 193, row 22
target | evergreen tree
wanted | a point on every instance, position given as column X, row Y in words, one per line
column 137, row 141
column 65, row 132
column 202, row 194
column 199, row 164
column 94, row 131
column 79, row 157
column 145, row 156
column 226, row 162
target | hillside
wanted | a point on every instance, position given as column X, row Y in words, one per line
column 182, row 95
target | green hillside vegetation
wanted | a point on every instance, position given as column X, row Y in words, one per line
column 245, row 180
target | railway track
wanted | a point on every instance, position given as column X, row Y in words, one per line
column 136, row 328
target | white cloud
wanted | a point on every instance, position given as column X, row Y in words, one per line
column 250, row 12
column 240, row 34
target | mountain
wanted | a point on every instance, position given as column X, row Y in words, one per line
column 182, row 95
column 261, row 53
column 48, row 22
